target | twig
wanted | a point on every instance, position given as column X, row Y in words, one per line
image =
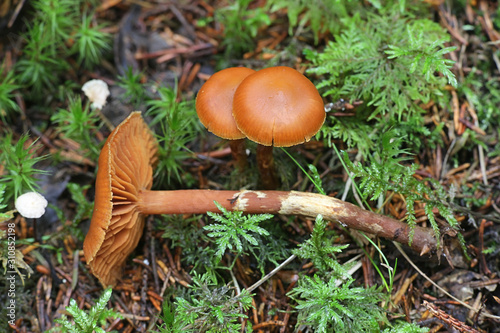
column 482, row 164
column 400, row 249
column 15, row 13
column 167, row 54
column 76, row 261
column 444, row 16
column 486, row 22
column 152, row 252
column 270, row 274
column 480, row 253
column 235, row 282
column 450, row 320
column 268, row 323
column 39, row 303
column 133, row 317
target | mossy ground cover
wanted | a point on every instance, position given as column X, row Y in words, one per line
column 412, row 132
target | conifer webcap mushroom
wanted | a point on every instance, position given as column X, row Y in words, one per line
column 277, row 106
column 123, row 198
column 214, row 106
column 125, row 168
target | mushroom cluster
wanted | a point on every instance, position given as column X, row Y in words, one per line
column 275, row 106
column 124, row 197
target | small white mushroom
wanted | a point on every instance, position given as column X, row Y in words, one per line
column 31, row 205
column 97, row 91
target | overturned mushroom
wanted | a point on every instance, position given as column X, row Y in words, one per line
column 123, row 198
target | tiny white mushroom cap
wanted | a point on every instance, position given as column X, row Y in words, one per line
column 31, row 205
column 97, row 91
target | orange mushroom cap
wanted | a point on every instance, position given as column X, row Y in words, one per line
column 278, row 106
column 125, row 168
column 214, row 103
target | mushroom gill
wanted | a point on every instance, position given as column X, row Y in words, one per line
column 125, row 169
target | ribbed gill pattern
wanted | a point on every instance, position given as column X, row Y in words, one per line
column 132, row 154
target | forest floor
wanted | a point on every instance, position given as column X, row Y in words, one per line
column 159, row 54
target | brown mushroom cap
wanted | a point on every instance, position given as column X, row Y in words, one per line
column 125, row 168
column 214, row 103
column 278, row 106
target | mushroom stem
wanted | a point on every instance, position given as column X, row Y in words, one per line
column 265, row 163
column 286, row 203
column 239, row 154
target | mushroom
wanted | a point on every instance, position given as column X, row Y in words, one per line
column 214, row 106
column 277, row 106
column 97, row 92
column 125, row 168
column 124, row 197
column 31, row 205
